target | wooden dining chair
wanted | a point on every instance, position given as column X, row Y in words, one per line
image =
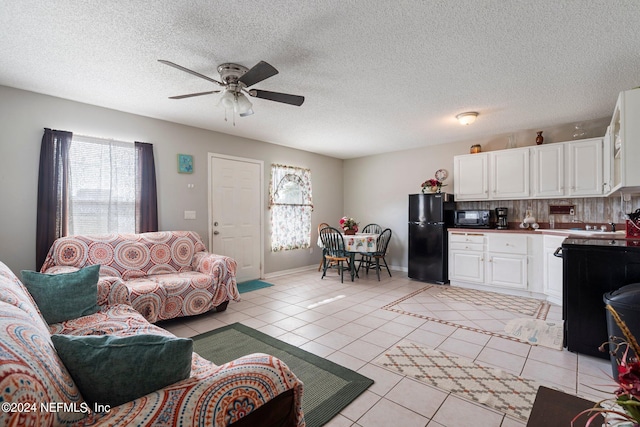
column 371, row 259
column 335, row 253
column 320, row 227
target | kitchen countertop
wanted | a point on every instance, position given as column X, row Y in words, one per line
column 591, row 234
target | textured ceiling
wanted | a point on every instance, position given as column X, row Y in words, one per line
column 377, row 75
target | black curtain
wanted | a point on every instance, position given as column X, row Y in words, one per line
column 146, row 193
column 53, row 179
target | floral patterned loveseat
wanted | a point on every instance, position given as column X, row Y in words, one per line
column 37, row 389
column 168, row 274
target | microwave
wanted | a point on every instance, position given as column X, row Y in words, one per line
column 472, row 218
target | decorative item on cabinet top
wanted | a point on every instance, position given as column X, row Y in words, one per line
column 476, row 148
column 539, row 138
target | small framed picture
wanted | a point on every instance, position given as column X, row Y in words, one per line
column 185, row 163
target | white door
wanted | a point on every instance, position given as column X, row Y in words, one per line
column 235, row 206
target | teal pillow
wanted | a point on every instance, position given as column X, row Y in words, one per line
column 64, row 296
column 113, row 370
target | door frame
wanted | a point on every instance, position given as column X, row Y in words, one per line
column 210, row 158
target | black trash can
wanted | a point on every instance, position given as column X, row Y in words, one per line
column 626, row 302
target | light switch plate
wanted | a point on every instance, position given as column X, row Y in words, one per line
column 189, row 214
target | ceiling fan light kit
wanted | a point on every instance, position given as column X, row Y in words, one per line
column 236, row 79
column 467, row 118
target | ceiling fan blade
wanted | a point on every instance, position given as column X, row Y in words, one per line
column 278, row 97
column 189, row 95
column 186, row 70
column 258, row 73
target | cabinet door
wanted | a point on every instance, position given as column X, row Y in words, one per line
column 552, row 274
column 466, row 266
column 552, row 279
column 507, row 270
column 470, row 174
column 607, row 162
column 585, row 167
column 509, row 176
column 548, row 170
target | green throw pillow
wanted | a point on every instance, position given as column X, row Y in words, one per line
column 113, row 370
column 64, row 296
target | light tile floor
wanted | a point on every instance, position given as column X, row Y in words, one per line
column 346, row 324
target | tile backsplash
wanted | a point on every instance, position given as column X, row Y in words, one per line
column 590, row 210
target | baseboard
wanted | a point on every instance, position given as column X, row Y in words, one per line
column 315, row 267
column 290, row 271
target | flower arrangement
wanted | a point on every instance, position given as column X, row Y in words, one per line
column 433, row 184
column 348, row 224
column 628, row 392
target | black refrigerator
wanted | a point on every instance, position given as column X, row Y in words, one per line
column 429, row 217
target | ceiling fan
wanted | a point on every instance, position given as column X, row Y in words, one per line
column 235, row 83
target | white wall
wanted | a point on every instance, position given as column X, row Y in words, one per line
column 376, row 187
column 24, row 115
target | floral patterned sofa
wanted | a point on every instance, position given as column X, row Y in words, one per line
column 168, row 274
column 36, row 388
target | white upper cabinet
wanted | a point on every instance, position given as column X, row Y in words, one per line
column 548, row 170
column 509, row 178
column 625, row 137
column 563, row 169
column 471, row 177
column 585, row 168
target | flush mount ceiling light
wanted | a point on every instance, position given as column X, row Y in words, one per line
column 467, row 118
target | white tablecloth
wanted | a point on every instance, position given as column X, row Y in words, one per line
column 359, row 242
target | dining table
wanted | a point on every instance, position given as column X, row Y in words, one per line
column 359, row 243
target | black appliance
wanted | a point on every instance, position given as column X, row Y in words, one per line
column 501, row 219
column 429, row 217
column 591, row 268
column 472, row 218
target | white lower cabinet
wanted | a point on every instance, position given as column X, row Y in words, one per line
column 466, row 257
column 506, row 262
column 552, row 280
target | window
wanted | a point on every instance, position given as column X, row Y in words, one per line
column 291, row 205
column 93, row 178
column 102, row 190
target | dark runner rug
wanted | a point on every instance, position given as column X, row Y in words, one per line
column 328, row 387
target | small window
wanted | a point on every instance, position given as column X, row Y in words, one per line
column 291, row 206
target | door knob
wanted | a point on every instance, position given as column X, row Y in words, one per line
column 216, row 232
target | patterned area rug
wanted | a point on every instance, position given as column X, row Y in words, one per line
column 479, row 311
column 522, row 305
column 492, row 387
column 537, row 332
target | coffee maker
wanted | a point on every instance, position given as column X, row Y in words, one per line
column 501, row 219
